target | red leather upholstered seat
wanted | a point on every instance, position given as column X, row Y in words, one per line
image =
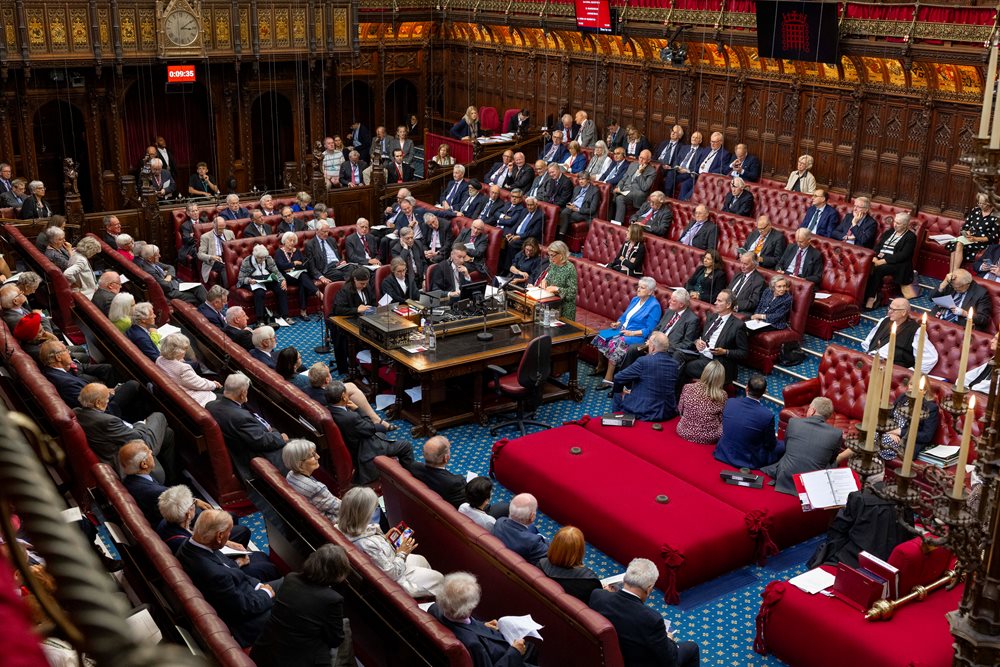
column 711, row 190
column 489, row 119
column 935, row 259
column 603, row 241
column 577, row 233
column 493, row 248
column 149, row 289
column 845, row 273
column 54, row 284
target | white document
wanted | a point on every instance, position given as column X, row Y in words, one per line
column 12, row 279
column 537, row 293
column 426, row 606
column 944, row 301
column 167, row 329
column 666, row 625
column 365, row 356
column 414, row 394
column 143, row 628
column 829, row 488
column 385, row 300
column 613, row 580
column 503, row 281
column 822, row 295
column 943, row 238
column 257, row 286
column 229, row 551
column 72, row 514
column 470, row 246
column 414, row 349
column 754, row 325
column 469, row 476
column 122, row 278
column 379, row 227
column 295, row 273
column 382, row 401
column 518, row 627
column 942, row 451
column 813, row 581
column 491, row 291
column 281, row 322
column 185, row 287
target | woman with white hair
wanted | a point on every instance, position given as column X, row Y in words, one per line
column 35, row 206
column 59, row 251
column 173, row 350
column 120, row 310
column 288, row 258
column 599, row 162
column 633, row 327
column 302, row 460
column 395, row 558
column 125, row 245
column 259, row 273
column 775, row 304
column 78, row 272
column 801, row 180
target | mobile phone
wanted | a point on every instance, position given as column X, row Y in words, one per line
column 515, row 329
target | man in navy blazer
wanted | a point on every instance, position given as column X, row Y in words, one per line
column 820, row 218
column 801, row 259
column 744, row 165
column 555, row 150
column 136, row 463
column 455, row 191
column 528, row 223
column 700, row 232
column 582, row 205
column 653, row 378
column 233, row 210
column 560, row 187
column 748, row 429
column 643, row 639
column 246, row 433
column 212, row 308
column 616, row 169
column 242, row 602
column 858, row 226
column 518, row 532
column 739, row 201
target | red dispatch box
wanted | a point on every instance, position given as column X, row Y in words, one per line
column 180, row 74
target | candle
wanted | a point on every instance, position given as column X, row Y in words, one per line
column 991, row 71
column 963, row 453
column 887, row 378
column 872, row 404
column 917, row 370
column 911, row 436
column 966, row 343
column 870, row 394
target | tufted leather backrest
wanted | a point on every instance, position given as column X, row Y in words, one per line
column 934, row 257
column 452, row 541
column 285, row 399
column 381, row 273
column 551, row 222
column 670, row 263
column 160, row 577
column 802, row 292
column 785, row 209
column 329, row 294
column 387, row 626
column 733, row 231
column 846, row 267
column 604, row 239
column 55, row 285
column 683, row 214
column 603, row 291
column 993, row 289
column 493, row 248
column 199, row 440
column 711, row 190
column 947, row 338
column 238, row 249
column 139, row 281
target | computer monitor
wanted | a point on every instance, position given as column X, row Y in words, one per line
column 474, row 290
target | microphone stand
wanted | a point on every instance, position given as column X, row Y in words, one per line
column 485, row 336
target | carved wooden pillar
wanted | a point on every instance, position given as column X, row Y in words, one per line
column 291, row 176
column 128, row 192
column 98, row 146
column 6, row 138
column 151, row 225
column 244, row 168
column 849, row 129
column 71, row 194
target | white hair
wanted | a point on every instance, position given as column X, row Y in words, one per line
column 260, row 251
column 648, row 283
column 295, row 452
column 123, row 240
column 523, row 507
column 641, row 573
column 174, row 503
column 458, row 596
column 174, row 346
column 121, row 306
column 143, row 310
column 260, row 334
column 232, row 313
column 236, row 383
column 288, row 236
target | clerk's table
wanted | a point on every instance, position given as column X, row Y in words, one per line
column 451, row 377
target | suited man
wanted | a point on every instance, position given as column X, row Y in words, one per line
column 6, row 172
column 766, row 243
column 616, row 135
column 382, row 144
column 967, row 295
column 323, row 260
column 160, row 179
column 456, row 600
column 616, row 169
column 519, row 123
column 655, row 215
column 714, row 159
column 539, row 187
column 166, row 277
column 690, row 159
column 455, row 191
column 136, row 463
column 107, row 433
column 362, row 438
column 858, row 227
column 739, row 201
column 246, row 433
column 820, row 219
column 473, row 204
column 643, row 640
column 588, row 131
column 476, row 242
column 744, row 165
column 289, row 223
column 528, row 223
column 801, row 259
column 233, row 210
column 679, row 323
column 351, row 172
column 747, row 285
column 435, row 474
column 213, row 306
column 15, row 197
column 560, row 187
column 517, row 530
column 723, row 339
column 987, row 266
column 521, row 175
column 634, row 187
column 555, row 150
column 810, row 444
column 361, row 247
column 35, row 205
column 210, row 250
column 399, row 285
column 582, row 205
column 451, row 275
column 907, row 341
column 398, row 171
column 264, row 344
column 129, row 400
column 236, row 327
column 140, row 333
column 242, row 602
column 668, row 151
column 411, row 251
column 653, row 378
column 700, row 232
column 500, row 171
column 359, row 136
column 748, row 429
column 108, row 285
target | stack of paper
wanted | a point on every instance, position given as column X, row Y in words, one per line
column 518, row 627
column 813, row 581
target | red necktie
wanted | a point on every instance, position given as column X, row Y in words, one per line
column 364, row 242
column 354, row 175
column 400, row 170
column 649, row 215
column 798, row 261
column 673, row 321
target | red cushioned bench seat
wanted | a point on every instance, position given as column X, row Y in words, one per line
column 611, row 495
column 775, row 516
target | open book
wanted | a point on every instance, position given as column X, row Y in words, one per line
column 823, row 489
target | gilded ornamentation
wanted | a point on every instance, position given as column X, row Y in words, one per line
column 7, row 16
column 147, row 29
column 57, row 31
column 281, row 29
column 299, row 27
column 341, row 27
column 78, row 28
column 263, row 28
column 103, row 31
column 128, row 28
column 222, row 28
column 245, row 27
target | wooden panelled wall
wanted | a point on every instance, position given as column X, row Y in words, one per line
column 889, row 145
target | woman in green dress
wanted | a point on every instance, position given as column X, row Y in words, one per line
column 560, row 278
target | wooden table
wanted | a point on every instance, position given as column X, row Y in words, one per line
column 451, row 377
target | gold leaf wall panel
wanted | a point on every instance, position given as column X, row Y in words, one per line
column 147, row 30
column 223, row 31
column 341, row 27
column 130, row 35
column 265, row 32
column 103, row 28
column 282, row 31
column 245, row 28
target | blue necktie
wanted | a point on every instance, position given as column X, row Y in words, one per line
column 524, row 223
column 948, row 315
column 691, row 233
column 578, row 202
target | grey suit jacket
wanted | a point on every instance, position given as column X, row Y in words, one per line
column 598, row 165
column 406, row 147
column 206, row 248
column 247, row 269
column 633, row 181
column 106, row 434
column 810, row 444
column 586, row 137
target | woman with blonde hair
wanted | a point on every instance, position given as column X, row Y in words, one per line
column 700, row 406
column 467, row 127
column 560, row 278
column 173, row 352
column 801, row 180
column 78, row 271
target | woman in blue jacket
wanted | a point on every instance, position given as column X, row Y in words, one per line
column 634, row 326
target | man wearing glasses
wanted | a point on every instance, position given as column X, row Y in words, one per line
column 877, row 341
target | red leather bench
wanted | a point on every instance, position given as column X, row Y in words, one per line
column 198, row 439
column 158, row 578
column 387, row 626
column 577, row 233
column 845, row 273
column 285, row 405
column 934, row 259
column 994, row 291
column 947, row 338
column 510, row 585
column 711, row 190
column 140, row 284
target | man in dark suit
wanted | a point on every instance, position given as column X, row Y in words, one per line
column 499, row 171
column 411, row 251
column 747, row 285
column 967, row 295
column 473, row 204
column 655, row 215
column 802, row 259
column 748, row 429
column 684, row 173
column 739, row 201
column 810, row 444
column 616, row 135
column 668, row 151
column 289, row 223
column 540, row 182
column 724, row 339
column 820, row 218
column 212, row 308
column 160, row 179
column 493, row 205
column 360, row 137
column 242, row 602
column 257, row 227
column 361, row 247
column 521, row 174
column 713, row 160
column 398, row 171
column 476, row 242
column 246, row 433
column 519, row 123
column 15, row 197
column 166, row 277
column 634, row 187
column 6, row 172
column 237, row 329
column 108, row 285
column 435, row 474
column 560, row 187
column 858, row 227
column 642, row 637
column 233, row 210
column 744, row 165
column 517, row 531
column 136, row 463
column 766, row 243
column 451, row 275
column 352, row 171
column 700, row 232
column 323, row 260
column 128, row 399
column 582, row 205
column 555, row 150
column 455, row 191
column 106, row 433
column 363, row 439
column 653, row 379
column 529, row 223
column 457, row 598
column 264, row 344
column 436, row 238
column 616, row 169
column 679, row 323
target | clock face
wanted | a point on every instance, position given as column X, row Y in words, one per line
column 182, row 28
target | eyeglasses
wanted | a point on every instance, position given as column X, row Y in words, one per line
column 891, row 309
